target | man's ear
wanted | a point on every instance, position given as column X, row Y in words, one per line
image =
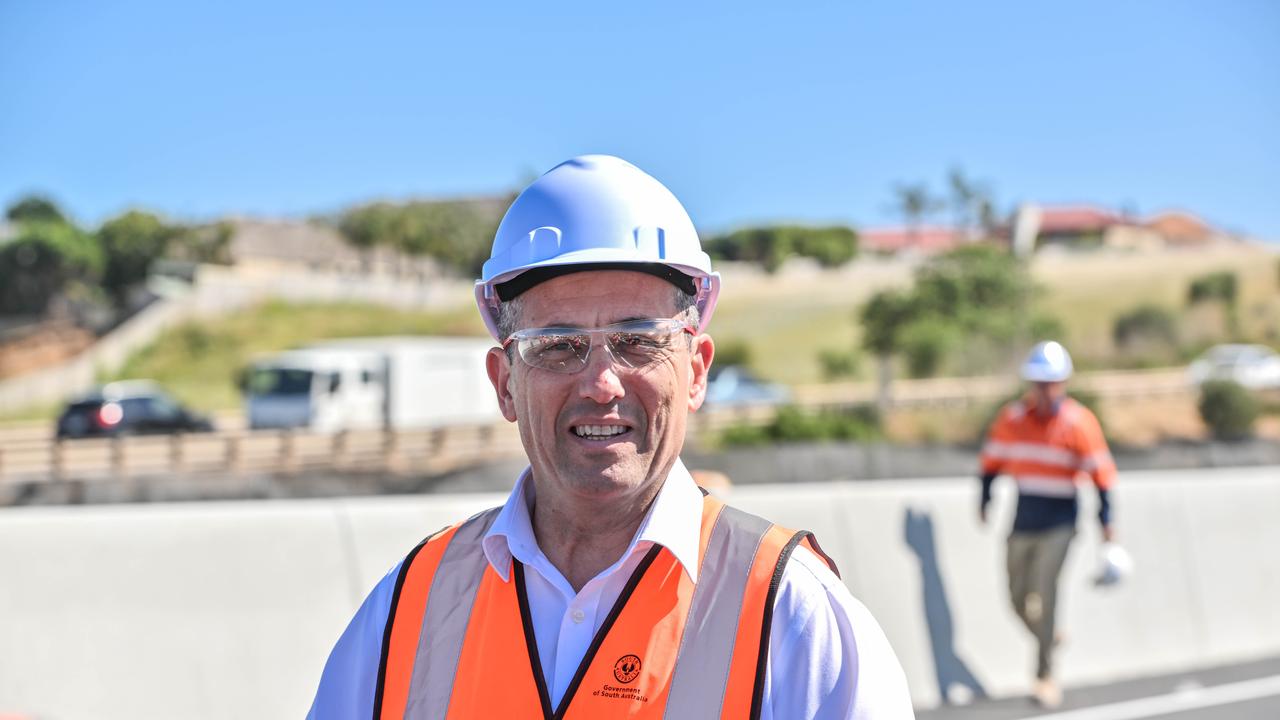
column 704, row 349
column 498, row 365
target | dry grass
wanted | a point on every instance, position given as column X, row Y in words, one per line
column 788, row 319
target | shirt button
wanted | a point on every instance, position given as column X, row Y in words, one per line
column 578, row 616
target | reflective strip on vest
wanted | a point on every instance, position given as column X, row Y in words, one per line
column 700, row 649
column 1051, row 486
column 444, row 624
column 1034, row 451
column 706, row 649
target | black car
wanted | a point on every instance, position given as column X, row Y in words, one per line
column 134, row 407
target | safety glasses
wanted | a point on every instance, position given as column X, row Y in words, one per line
column 634, row 343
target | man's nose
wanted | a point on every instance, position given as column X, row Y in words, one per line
column 599, row 380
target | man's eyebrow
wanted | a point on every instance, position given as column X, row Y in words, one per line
column 580, row 326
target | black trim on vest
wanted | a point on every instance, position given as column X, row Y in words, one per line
column 530, row 639
column 757, row 692
column 380, row 688
column 817, row 550
column 598, row 640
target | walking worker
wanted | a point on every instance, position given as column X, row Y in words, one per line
column 608, row 585
column 1045, row 441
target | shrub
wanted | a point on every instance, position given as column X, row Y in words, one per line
column 793, row 424
column 770, row 246
column 1144, row 326
column 839, row 363
column 1214, row 286
column 732, row 352
column 745, row 435
column 1228, row 409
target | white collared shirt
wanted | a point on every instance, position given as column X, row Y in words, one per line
column 839, row 664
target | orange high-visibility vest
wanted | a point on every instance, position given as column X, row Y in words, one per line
column 1044, row 456
column 459, row 640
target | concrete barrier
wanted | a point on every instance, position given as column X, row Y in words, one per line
column 228, row 610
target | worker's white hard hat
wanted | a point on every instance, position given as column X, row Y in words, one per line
column 1047, row 362
column 594, row 212
column 1114, row 564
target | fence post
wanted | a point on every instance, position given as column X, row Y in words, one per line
column 339, row 449
column 390, row 447
column 57, row 462
column 287, row 451
column 117, row 458
column 175, row 451
column 232, row 456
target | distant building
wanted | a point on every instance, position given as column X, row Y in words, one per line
column 924, row 240
column 1182, row 229
column 1075, row 226
column 1088, row 226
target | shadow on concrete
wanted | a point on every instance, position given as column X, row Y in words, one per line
column 956, row 684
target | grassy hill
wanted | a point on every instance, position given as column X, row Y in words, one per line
column 785, row 320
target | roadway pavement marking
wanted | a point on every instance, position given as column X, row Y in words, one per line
column 1178, row 701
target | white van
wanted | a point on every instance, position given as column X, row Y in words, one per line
column 387, row 382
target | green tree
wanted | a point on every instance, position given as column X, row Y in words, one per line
column 977, row 293
column 35, row 208
column 926, row 343
column 367, row 227
column 915, row 203
column 42, row 261
column 831, row 246
column 130, row 244
column 769, row 246
column 457, row 233
column 764, row 246
column 883, row 319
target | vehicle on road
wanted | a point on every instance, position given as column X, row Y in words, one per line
column 128, row 407
column 1256, row 367
column 736, row 385
column 364, row 383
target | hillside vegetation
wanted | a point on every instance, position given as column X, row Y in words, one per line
column 199, row 361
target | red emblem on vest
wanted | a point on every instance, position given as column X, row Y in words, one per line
column 627, row 668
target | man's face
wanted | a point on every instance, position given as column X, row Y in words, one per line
column 1047, row 395
column 649, row 404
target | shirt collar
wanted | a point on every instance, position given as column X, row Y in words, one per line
column 674, row 521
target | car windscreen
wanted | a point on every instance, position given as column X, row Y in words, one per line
column 279, row 381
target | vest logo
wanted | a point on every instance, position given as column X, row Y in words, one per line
column 627, row 668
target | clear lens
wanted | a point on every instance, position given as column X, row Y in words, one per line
column 566, row 350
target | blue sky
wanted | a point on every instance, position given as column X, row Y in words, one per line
column 749, row 112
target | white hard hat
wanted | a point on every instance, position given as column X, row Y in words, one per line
column 1114, row 564
column 599, row 212
column 1047, row 362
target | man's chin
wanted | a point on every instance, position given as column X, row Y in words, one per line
column 605, row 480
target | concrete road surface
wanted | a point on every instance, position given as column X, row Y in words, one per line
column 1248, row 691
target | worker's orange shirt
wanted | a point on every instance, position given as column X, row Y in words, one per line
column 1044, row 455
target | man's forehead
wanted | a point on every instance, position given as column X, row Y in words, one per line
column 598, row 297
